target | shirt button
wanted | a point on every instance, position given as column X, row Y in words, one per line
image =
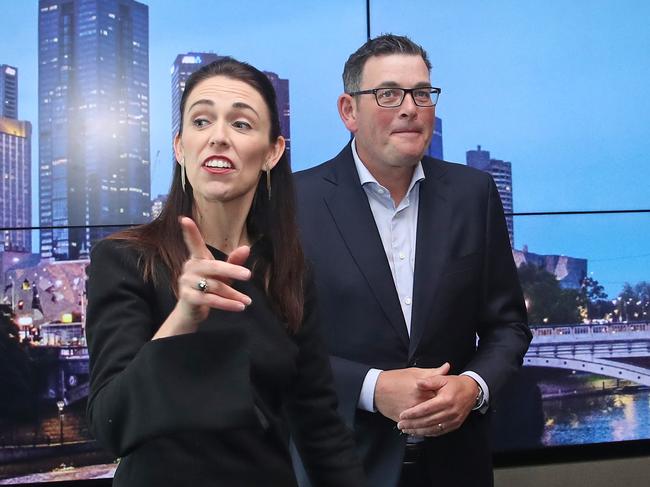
column 407, row 300
column 380, row 191
column 402, row 256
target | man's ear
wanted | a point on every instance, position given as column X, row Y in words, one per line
column 348, row 111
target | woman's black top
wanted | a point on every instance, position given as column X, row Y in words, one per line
column 214, row 407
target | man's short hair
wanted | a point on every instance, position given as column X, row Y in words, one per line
column 382, row 45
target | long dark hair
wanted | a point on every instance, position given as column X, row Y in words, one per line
column 279, row 262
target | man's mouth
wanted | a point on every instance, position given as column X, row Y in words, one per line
column 407, row 131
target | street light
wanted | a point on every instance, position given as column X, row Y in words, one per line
column 60, row 405
column 13, row 293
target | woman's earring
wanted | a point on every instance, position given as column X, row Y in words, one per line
column 183, row 173
column 268, row 181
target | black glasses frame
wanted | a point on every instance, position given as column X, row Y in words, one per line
column 434, row 91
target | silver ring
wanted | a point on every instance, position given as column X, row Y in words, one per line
column 441, row 428
column 202, row 285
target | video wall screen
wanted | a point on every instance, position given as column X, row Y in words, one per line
column 552, row 99
column 560, row 90
column 84, row 149
column 585, row 380
column 586, row 376
column 44, row 371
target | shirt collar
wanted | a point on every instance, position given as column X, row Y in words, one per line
column 367, row 178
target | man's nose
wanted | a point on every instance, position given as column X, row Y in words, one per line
column 408, row 108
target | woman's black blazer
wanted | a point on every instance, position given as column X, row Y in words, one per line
column 213, row 407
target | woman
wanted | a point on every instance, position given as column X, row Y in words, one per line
column 203, row 337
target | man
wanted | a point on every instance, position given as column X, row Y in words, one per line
column 412, row 262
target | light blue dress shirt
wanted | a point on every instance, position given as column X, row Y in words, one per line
column 397, row 227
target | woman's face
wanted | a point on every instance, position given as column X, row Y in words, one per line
column 225, row 140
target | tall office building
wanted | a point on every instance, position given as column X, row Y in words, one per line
column 281, row 87
column 186, row 64
column 15, row 185
column 435, row 147
column 501, row 172
column 93, row 84
column 157, row 205
column 183, row 67
column 8, row 91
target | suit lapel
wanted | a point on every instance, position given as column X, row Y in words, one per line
column 434, row 215
column 349, row 207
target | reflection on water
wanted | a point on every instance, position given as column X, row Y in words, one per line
column 597, row 419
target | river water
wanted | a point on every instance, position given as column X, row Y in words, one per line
column 597, row 418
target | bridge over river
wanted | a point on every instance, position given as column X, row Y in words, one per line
column 602, row 348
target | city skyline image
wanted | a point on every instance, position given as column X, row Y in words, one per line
column 551, row 98
column 15, row 166
column 566, row 155
column 93, row 121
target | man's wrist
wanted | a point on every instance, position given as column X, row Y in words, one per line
column 367, row 394
column 480, row 398
column 484, row 401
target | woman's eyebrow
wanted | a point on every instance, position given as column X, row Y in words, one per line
column 238, row 104
column 202, row 101
column 245, row 106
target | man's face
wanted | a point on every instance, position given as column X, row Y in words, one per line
column 390, row 137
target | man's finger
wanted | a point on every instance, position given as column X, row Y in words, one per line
column 426, row 421
column 430, row 431
column 424, row 409
column 442, row 370
column 432, row 383
column 193, row 239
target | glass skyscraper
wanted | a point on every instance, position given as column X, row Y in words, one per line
column 184, row 65
column 15, row 167
column 93, row 84
column 8, row 91
column 15, row 185
column 501, row 172
column 281, row 87
column 435, row 147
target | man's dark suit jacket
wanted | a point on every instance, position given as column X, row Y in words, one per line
column 465, row 284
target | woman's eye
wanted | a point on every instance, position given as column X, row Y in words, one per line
column 240, row 124
column 200, row 122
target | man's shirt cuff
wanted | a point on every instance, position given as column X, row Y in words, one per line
column 486, row 391
column 367, row 396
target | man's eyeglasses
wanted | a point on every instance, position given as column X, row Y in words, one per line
column 393, row 97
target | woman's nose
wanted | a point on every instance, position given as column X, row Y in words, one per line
column 218, row 135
